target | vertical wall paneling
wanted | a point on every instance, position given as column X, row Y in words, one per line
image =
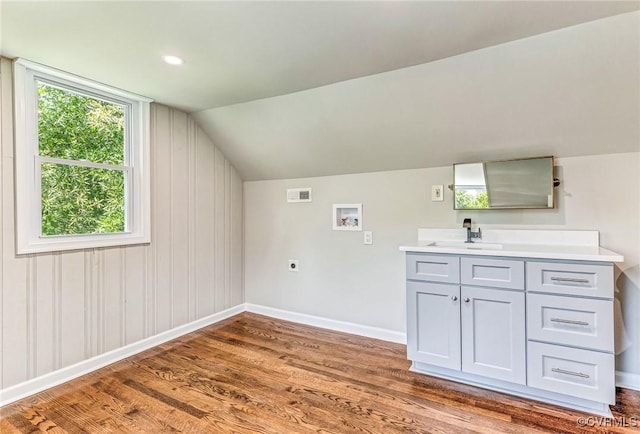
column 162, row 218
column 237, row 229
column 3, row 137
column 93, row 317
column 134, row 289
column 204, row 226
column 62, row 308
column 191, row 227
column 96, row 318
column 45, row 317
column 152, row 275
column 145, row 306
column 227, row 234
column 72, row 305
column 122, row 285
column 88, row 303
column 57, row 309
column 219, row 190
column 216, row 223
column 172, row 250
column 180, row 219
column 101, row 315
column 14, row 270
column 32, row 314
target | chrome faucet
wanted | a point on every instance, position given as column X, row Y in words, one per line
column 470, row 233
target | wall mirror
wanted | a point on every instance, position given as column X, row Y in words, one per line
column 515, row 184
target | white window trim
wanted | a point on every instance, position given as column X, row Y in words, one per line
column 27, row 188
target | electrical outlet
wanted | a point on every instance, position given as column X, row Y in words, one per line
column 294, row 265
column 368, row 237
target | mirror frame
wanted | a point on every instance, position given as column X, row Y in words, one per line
column 552, row 183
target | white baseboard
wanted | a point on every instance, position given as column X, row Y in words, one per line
column 38, row 384
column 327, row 323
column 628, row 380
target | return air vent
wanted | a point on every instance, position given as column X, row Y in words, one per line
column 299, row 195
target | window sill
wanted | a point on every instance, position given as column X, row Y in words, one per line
column 80, row 242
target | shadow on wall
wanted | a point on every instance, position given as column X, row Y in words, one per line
column 626, row 305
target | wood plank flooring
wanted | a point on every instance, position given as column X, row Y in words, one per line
column 253, row 374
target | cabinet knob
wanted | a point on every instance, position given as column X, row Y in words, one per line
column 467, row 299
column 454, row 297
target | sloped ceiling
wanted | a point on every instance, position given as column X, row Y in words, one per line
column 574, row 91
column 290, row 89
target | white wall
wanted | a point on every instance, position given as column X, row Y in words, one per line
column 342, row 279
column 63, row 308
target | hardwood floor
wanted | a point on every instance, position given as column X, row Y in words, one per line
column 253, row 374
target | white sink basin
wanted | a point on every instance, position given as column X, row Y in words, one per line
column 462, row 245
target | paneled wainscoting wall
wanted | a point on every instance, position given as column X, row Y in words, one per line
column 63, row 308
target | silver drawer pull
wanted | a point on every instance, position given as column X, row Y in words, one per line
column 569, row 279
column 575, row 374
column 569, row 321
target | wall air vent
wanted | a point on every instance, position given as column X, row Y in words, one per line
column 298, row 195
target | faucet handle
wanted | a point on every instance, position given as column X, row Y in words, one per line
column 466, row 223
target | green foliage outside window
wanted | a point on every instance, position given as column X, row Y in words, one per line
column 467, row 200
column 80, row 199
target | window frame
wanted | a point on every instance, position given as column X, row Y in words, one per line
column 29, row 238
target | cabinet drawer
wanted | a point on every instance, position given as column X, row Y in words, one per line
column 497, row 273
column 570, row 371
column 434, row 268
column 589, row 280
column 580, row 322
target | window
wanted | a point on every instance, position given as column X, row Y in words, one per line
column 82, row 162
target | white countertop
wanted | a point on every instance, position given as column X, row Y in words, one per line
column 541, row 244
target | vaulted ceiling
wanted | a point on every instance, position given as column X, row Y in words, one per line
column 290, row 89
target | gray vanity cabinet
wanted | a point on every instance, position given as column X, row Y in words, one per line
column 467, row 315
column 531, row 327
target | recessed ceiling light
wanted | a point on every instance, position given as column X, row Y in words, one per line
column 173, row 60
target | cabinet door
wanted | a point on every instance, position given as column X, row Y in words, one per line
column 433, row 324
column 493, row 333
